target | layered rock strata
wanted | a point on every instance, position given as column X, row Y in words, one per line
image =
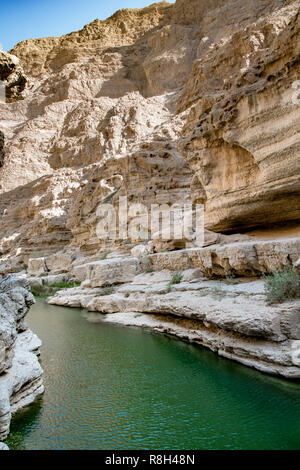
column 176, row 104
column 20, row 372
column 191, row 102
column 231, row 318
column 242, row 134
column 215, row 299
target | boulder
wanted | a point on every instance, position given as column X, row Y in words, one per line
column 59, row 262
column 108, row 271
column 249, row 258
column 37, row 266
column 297, row 266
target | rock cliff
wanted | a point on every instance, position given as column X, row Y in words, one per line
column 210, row 87
column 242, row 134
column 216, row 81
column 20, row 371
column 12, row 76
column 188, row 103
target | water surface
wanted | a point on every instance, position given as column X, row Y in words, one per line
column 113, row 387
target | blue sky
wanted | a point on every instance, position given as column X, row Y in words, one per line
column 24, row 19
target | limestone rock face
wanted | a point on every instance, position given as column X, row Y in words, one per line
column 242, row 134
column 33, row 217
column 184, row 102
column 1, row 148
column 12, row 82
column 297, row 266
column 15, row 301
column 232, row 319
column 12, row 76
column 20, row 371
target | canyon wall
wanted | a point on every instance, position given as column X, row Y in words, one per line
column 20, row 371
column 175, row 104
column 206, row 88
column 242, row 134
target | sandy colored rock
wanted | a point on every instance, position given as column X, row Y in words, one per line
column 231, row 319
column 15, row 301
column 37, row 266
column 20, row 386
column 185, row 104
column 12, row 76
column 242, row 135
column 2, row 153
column 104, row 100
column 107, row 272
column 297, row 266
column 59, row 262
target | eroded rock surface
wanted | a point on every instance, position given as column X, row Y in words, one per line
column 175, row 104
column 12, row 76
column 12, row 85
column 172, row 103
column 242, row 134
column 20, row 372
column 230, row 318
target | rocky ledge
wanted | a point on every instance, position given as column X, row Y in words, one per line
column 20, row 372
column 212, row 296
column 188, row 104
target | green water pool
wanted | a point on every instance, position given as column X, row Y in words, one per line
column 113, row 387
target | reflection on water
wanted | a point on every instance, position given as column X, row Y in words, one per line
column 111, row 387
column 25, row 421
